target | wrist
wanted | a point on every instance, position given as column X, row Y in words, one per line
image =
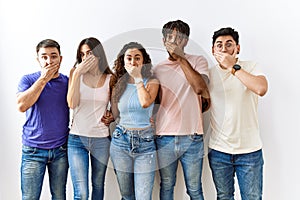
column 235, row 68
column 138, row 80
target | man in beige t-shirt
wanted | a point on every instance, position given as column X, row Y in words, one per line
column 235, row 144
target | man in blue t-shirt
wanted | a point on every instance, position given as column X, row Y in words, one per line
column 42, row 95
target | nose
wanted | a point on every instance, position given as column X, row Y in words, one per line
column 133, row 62
column 83, row 57
column 49, row 60
column 224, row 48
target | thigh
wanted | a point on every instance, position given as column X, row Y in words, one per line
column 33, row 168
column 120, row 152
column 58, row 172
column 223, row 173
column 192, row 161
column 249, row 172
column 99, row 150
column 166, row 154
column 78, row 158
column 99, row 159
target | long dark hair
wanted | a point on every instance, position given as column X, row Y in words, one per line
column 98, row 51
column 120, row 79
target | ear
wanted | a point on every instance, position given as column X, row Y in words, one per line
column 60, row 59
column 164, row 41
column 213, row 50
column 186, row 40
column 238, row 48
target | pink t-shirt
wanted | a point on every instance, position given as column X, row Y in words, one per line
column 180, row 107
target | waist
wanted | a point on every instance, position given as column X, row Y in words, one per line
column 134, row 130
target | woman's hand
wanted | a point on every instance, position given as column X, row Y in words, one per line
column 107, row 118
column 86, row 64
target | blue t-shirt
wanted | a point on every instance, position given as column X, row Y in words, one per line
column 132, row 114
column 47, row 120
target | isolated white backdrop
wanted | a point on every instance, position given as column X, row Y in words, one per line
column 269, row 32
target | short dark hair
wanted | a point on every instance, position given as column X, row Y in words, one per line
column 47, row 43
column 179, row 25
column 226, row 31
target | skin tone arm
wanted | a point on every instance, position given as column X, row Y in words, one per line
column 194, row 78
column 27, row 98
column 257, row 84
column 74, row 80
column 148, row 93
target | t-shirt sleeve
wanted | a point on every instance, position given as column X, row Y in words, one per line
column 201, row 66
column 24, row 84
column 257, row 70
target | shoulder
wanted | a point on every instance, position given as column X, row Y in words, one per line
column 30, row 77
column 161, row 64
column 152, row 80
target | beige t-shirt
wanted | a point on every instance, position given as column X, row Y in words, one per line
column 180, row 107
column 93, row 104
column 233, row 120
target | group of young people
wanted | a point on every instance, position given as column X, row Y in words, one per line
column 158, row 115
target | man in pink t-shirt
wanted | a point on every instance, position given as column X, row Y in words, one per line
column 179, row 124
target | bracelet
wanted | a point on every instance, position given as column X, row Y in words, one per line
column 138, row 80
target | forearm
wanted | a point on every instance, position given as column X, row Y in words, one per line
column 257, row 84
column 73, row 90
column 27, row 98
column 148, row 93
column 194, row 78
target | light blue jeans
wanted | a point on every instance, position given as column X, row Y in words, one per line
column 133, row 154
column 80, row 150
column 189, row 150
column 248, row 168
column 33, row 167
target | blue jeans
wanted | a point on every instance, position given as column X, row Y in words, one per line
column 189, row 150
column 80, row 149
column 133, row 154
column 248, row 169
column 33, row 167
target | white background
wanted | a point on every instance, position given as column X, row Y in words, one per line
column 269, row 33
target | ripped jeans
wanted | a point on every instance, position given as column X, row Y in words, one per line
column 133, row 154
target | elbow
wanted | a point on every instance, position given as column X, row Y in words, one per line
column 145, row 105
column 21, row 108
column 71, row 105
column 262, row 92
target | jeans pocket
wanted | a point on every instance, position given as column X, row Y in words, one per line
column 28, row 150
column 117, row 133
column 196, row 138
column 64, row 147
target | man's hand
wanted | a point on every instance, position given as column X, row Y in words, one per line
column 50, row 71
column 174, row 51
column 226, row 60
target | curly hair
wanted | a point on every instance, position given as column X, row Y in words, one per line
column 119, row 81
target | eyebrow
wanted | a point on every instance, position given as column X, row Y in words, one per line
column 225, row 41
column 136, row 55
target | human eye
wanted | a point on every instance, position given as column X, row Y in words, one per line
column 219, row 46
column 54, row 57
column 229, row 44
column 44, row 57
column 89, row 53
